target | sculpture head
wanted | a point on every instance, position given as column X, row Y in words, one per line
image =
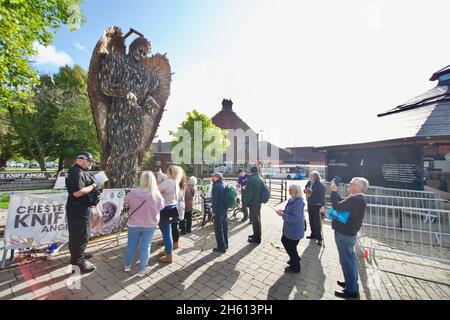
column 139, row 48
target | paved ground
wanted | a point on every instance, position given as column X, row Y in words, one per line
column 246, row 271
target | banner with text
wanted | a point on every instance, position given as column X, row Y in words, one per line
column 40, row 219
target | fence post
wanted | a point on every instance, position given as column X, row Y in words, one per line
column 285, row 190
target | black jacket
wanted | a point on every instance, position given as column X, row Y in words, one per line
column 77, row 179
column 318, row 194
column 356, row 205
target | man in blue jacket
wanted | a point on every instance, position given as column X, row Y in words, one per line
column 220, row 212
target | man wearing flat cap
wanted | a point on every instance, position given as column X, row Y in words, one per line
column 80, row 183
column 220, row 212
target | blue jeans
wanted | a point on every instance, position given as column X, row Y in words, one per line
column 166, row 230
column 143, row 237
column 221, row 231
column 347, row 258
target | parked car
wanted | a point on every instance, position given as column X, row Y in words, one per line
column 51, row 165
column 19, row 165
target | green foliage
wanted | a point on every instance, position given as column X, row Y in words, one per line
column 23, row 24
column 4, row 200
column 74, row 125
column 207, row 124
column 8, row 141
column 59, row 122
column 147, row 160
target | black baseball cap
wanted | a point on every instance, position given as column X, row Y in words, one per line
column 240, row 170
column 85, row 155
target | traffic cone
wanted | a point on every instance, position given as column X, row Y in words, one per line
column 366, row 254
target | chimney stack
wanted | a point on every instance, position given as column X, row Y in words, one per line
column 227, row 105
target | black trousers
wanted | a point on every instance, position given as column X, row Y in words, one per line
column 186, row 223
column 255, row 217
column 314, row 221
column 175, row 232
column 245, row 212
column 79, row 222
column 291, row 248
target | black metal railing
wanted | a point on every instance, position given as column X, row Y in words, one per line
column 278, row 189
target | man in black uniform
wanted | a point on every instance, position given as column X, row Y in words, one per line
column 80, row 183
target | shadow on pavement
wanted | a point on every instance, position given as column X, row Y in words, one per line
column 311, row 267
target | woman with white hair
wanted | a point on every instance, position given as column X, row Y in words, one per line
column 144, row 204
column 345, row 231
column 186, row 223
column 293, row 227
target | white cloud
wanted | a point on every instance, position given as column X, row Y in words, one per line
column 51, row 56
column 80, row 47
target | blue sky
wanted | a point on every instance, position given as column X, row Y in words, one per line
column 174, row 26
column 292, row 67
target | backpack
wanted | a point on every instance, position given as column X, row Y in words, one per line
column 230, row 197
column 265, row 194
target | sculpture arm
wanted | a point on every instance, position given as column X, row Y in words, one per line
column 113, row 76
column 150, row 105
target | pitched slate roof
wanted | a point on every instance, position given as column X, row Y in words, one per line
column 440, row 73
column 427, row 115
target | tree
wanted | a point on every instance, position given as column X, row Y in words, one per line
column 213, row 139
column 75, row 125
column 23, row 24
column 33, row 121
column 60, row 123
column 8, row 141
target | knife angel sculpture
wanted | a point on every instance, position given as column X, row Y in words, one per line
column 128, row 93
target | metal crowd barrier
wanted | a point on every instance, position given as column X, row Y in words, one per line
column 278, row 189
column 407, row 222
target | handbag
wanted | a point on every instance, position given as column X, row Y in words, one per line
column 169, row 215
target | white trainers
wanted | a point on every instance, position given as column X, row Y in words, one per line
column 127, row 268
column 143, row 273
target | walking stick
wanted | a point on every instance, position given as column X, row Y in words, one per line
column 321, row 229
column 207, row 232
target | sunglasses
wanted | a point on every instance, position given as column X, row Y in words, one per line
column 83, row 158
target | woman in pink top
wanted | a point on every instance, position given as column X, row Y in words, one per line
column 144, row 204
